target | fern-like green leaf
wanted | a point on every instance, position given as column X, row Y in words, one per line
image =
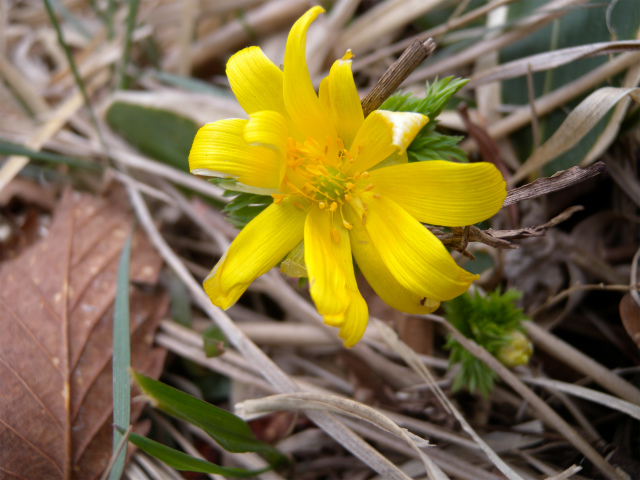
column 490, row 321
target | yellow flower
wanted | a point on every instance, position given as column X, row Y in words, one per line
column 343, row 184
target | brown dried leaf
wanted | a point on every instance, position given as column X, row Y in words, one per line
column 630, row 315
column 56, row 311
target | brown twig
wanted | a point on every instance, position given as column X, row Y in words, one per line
column 498, row 238
column 397, row 73
column 575, row 288
column 559, row 181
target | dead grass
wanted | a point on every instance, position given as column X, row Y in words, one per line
column 370, row 410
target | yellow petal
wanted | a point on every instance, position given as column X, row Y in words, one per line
column 443, row 193
column 346, row 109
column 379, row 276
column 324, row 95
column 257, row 248
column 328, row 264
column 268, row 129
column 256, row 81
column 300, row 98
column 332, row 280
column 382, row 134
column 355, row 321
column 220, row 150
column 413, row 255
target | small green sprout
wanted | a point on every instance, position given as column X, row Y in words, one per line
column 494, row 322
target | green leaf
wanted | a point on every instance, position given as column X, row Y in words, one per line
column 214, row 341
column 121, row 358
column 429, row 145
column 600, row 22
column 183, row 462
column 436, row 97
column 180, row 302
column 160, row 134
column 244, row 207
column 231, row 432
column 489, row 321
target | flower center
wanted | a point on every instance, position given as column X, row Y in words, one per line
column 317, row 176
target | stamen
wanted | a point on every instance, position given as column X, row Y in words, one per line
column 348, row 197
column 347, row 225
column 297, row 205
column 277, row 198
column 335, row 234
column 350, row 185
column 340, row 144
column 333, row 207
column 364, row 218
column 364, row 174
column 369, row 187
column 322, row 205
column 376, row 195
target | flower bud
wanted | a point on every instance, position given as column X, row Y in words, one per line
column 517, row 351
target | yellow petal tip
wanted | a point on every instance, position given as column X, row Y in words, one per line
column 348, row 55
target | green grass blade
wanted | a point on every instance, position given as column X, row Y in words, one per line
column 121, row 358
column 72, row 66
column 180, row 301
column 71, row 19
column 181, row 461
column 7, row 148
column 111, row 11
column 131, row 24
column 231, row 432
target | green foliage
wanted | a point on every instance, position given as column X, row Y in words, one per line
column 601, row 22
column 160, row 134
column 490, row 321
column 8, row 148
column 183, row 462
column 180, row 301
column 436, row 97
column 214, row 342
column 244, row 207
column 429, row 144
column 230, row 432
column 121, row 358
